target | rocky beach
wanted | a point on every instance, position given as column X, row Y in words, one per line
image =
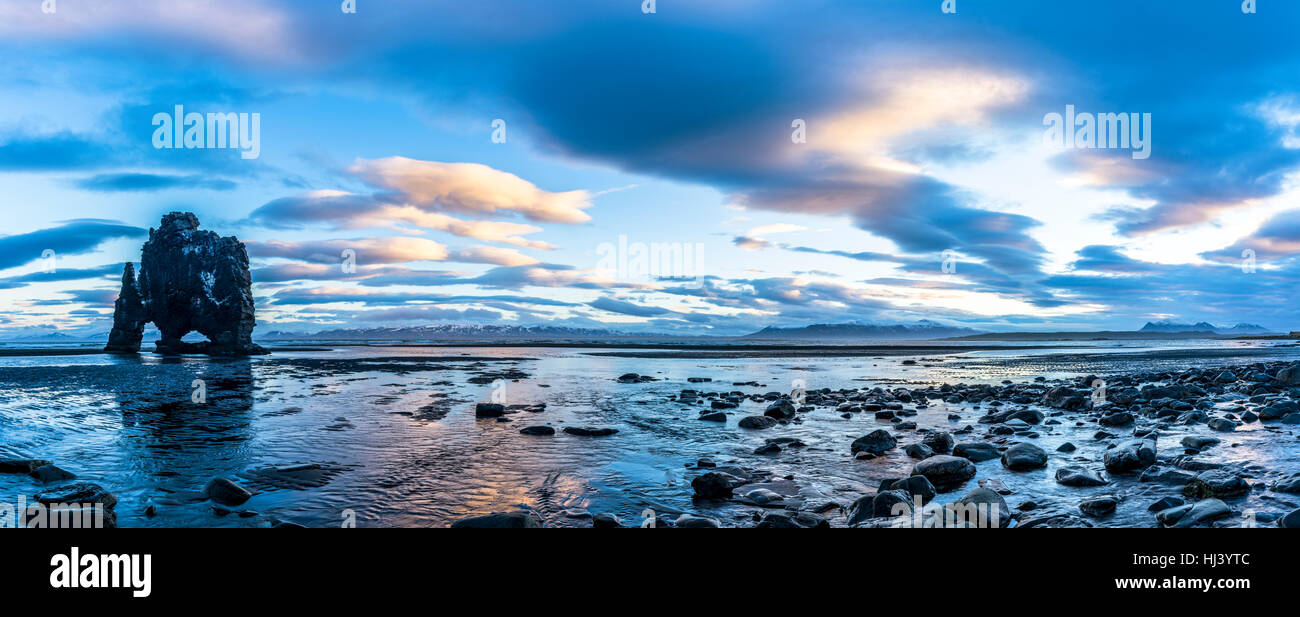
column 572, row 437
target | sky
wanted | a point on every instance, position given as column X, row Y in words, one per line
column 701, row 167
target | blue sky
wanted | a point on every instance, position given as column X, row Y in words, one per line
column 922, row 145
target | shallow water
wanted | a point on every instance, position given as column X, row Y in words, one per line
column 372, row 418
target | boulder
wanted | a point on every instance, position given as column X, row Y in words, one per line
column 1289, row 484
column 781, row 410
column 1217, row 483
column 918, row 451
column 940, row 443
column 489, row 410
column 1024, row 457
column 981, row 507
column 876, row 442
column 793, row 520
column 976, row 451
column 944, row 471
column 916, row 486
column 691, row 521
column 1132, row 455
column 1203, row 511
column 715, row 485
column 1074, row 475
column 1290, row 521
column 1099, row 506
column 1289, row 376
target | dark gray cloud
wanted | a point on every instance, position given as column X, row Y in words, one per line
column 72, row 237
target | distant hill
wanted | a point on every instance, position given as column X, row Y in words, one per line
column 919, row 331
column 1169, row 326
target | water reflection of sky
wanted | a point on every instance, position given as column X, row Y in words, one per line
column 128, row 423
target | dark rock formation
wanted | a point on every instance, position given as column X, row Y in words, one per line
column 190, row 281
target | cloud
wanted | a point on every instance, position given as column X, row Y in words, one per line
column 365, row 250
column 240, row 28
column 62, row 274
column 621, row 307
column 146, row 182
column 470, row 188
column 63, row 150
column 1277, row 239
column 775, row 228
column 389, row 250
column 72, row 237
column 428, row 314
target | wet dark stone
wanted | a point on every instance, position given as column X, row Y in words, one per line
column 757, row 422
column 876, row 442
column 489, row 410
column 1217, row 483
column 1131, row 456
column 1074, row 475
column 226, row 492
column 715, row 485
column 1099, row 506
column 537, row 430
column 584, row 431
column 945, row 471
column 1024, row 457
column 21, row 465
column 797, row 520
column 49, row 473
column 976, row 451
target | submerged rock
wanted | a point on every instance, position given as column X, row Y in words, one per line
column 225, row 492
column 1074, row 475
column 757, row 422
column 190, row 281
column 21, row 465
column 49, row 473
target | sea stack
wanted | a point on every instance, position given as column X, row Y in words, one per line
column 190, row 281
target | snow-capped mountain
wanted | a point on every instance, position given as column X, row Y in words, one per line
column 924, row 329
column 1170, row 326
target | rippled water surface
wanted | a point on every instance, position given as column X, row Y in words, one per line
column 394, row 434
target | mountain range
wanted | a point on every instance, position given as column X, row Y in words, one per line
column 1169, row 326
column 920, row 330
